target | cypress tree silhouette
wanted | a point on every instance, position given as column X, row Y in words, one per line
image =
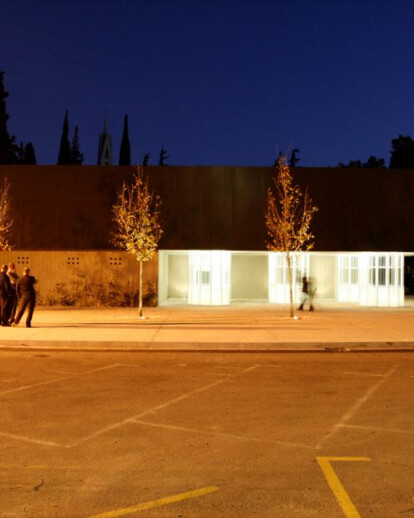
column 76, row 157
column 64, row 156
column 8, row 148
column 125, row 150
column 26, row 154
column 29, row 154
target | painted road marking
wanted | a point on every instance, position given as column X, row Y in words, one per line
column 335, row 484
column 376, row 428
column 56, row 380
column 29, row 439
column 158, row 503
column 161, row 406
column 219, row 434
column 354, row 409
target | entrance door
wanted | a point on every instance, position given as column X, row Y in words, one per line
column 209, row 278
column 348, row 278
column 382, row 282
column 279, row 277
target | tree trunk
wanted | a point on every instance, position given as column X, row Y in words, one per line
column 141, row 268
column 289, row 264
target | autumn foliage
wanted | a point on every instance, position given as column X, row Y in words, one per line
column 137, row 220
column 288, row 217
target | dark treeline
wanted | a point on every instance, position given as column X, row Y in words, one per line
column 401, row 155
column 10, row 152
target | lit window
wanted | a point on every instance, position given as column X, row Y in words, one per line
column 205, row 277
column 382, row 270
column 349, row 270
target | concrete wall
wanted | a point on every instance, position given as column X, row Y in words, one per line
column 205, row 208
column 85, row 278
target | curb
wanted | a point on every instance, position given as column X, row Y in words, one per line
column 206, row 347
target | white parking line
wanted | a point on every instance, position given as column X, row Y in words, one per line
column 56, row 380
column 359, row 403
column 220, row 434
column 376, row 429
column 370, row 374
column 146, row 412
column 28, row 439
column 161, row 406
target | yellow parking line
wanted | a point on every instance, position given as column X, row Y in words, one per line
column 157, row 503
column 334, row 483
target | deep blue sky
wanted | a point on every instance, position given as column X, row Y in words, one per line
column 217, row 82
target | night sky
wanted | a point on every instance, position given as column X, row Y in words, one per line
column 217, row 82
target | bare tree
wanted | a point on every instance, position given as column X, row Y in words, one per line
column 288, row 217
column 137, row 220
column 6, row 220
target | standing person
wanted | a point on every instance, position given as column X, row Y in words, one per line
column 26, row 297
column 5, row 296
column 14, row 277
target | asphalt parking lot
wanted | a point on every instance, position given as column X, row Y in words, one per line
column 206, row 434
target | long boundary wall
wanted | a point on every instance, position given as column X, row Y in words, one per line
column 86, row 278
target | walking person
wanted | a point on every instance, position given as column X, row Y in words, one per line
column 26, row 295
column 306, row 294
column 14, row 277
column 5, row 296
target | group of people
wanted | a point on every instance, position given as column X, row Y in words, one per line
column 16, row 295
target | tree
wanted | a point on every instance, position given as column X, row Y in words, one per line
column 26, row 154
column 146, row 159
column 372, row 163
column 351, row 163
column 125, row 150
column 29, row 154
column 8, row 148
column 6, row 220
column 293, row 158
column 64, row 157
column 137, row 220
column 288, row 217
column 163, row 156
column 402, row 153
column 76, row 157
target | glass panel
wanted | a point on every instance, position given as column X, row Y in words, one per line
column 382, row 260
column 279, row 275
column 372, row 276
column 398, row 276
column 354, row 276
column 391, row 277
column 345, row 276
column 205, row 277
column 354, row 262
column 382, row 277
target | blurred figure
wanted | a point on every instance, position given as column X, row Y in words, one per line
column 307, row 294
column 26, row 295
column 14, row 277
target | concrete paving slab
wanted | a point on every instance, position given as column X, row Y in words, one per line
column 235, row 328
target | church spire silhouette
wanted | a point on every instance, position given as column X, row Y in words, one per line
column 105, row 145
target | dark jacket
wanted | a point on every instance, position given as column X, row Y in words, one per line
column 5, row 286
column 25, row 286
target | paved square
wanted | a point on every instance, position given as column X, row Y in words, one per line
column 210, row 434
